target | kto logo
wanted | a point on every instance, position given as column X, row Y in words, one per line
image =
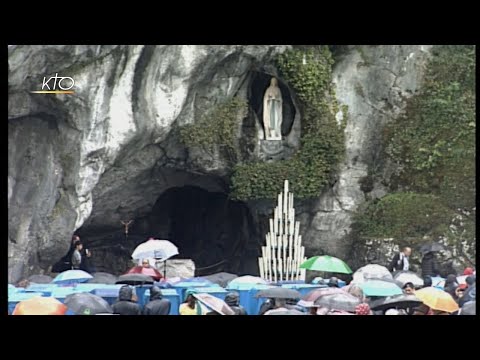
column 60, row 85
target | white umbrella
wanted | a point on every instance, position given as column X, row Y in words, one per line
column 247, row 279
column 371, row 271
column 408, row 276
column 157, row 249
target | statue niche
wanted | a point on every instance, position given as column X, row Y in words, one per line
column 272, row 111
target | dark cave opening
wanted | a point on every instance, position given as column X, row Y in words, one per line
column 218, row 234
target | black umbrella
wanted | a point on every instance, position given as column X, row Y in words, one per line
column 40, row 279
column 431, row 247
column 134, row 279
column 221, row 278
column 397, row 301
column 102, row 278
column 279, row 293
column 87, row 304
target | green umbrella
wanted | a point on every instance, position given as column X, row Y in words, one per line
column 326, row 263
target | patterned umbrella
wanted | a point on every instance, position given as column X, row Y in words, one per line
column 152, row 272
column 371, row 271
column 87, row 304
column 380, row 288
column 72, row 277
column 437, row 299
column 404, row 277
column 326, row 263
column 342, row 301
column 214, row 303
column 40, row 306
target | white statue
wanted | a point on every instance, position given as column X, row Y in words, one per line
column 272, row 111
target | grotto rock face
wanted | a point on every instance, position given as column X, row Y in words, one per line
column 374, row 82
column 109, row 151
column 90, row 158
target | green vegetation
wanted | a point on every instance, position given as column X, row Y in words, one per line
column 322, row 140
column 434, row 146
column 216, row 128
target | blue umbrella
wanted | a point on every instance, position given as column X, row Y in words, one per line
column 72, row 277
column 380, row 288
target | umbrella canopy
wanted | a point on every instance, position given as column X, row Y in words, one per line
column 40, row 279
column 102, row 278
column 404, row 277
column 341, row 301
column 437, row 299
column 87, row 304
column 222, row 278
column 380, row 288
column 214, row 303
column 279, row 293
column 40, row 306
column 431, row 247
column 315, row 294
column 371, row 271
column 468, row 308
column 157, row 249
column 326, row 263
column 72, row 277
column 287, row 312
column 134, row 279
column 152, row 272
column 402, row 301
column 247, row 279
column 339, row 312
column 438, row 282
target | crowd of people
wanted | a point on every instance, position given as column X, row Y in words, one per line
column 79, row 258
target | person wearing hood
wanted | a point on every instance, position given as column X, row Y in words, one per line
column 429, row 265
column 232, row 299
column 125, row 304
column 268, row 304
column 157, row 305
column 280, row 306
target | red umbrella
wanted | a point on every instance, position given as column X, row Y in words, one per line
column 152, row 272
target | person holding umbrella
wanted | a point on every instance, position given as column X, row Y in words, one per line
column 429, row 265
